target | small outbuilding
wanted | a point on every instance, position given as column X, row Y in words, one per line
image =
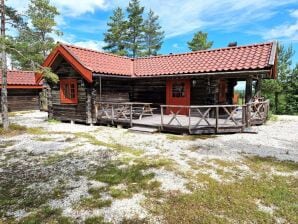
column 23, row 90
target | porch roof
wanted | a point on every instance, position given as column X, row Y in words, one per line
column 230, row 59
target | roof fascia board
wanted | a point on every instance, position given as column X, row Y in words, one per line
column 273, row 53
column 186, row 75
column 60, row 50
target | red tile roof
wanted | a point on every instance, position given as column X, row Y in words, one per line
column 239, row 58
column 100, row 62
column 22, row 78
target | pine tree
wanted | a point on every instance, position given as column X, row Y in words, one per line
column 200, row 42
column 134, row 37
column 115, row 36
column 153, row 35
column 42, row 16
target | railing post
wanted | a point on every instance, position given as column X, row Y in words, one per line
column 243, row 115
column 189, row 120
column 96, row 111
column 113, row 114
column 161, row 112
column 130, row 115
column 216, row 119
column 248, row 113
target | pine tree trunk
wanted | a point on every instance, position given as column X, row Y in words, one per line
column 4, row 106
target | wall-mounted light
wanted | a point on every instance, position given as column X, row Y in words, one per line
column 194, row 82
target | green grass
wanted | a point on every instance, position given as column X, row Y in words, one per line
column 15, row 194
column 173, row 137
column 46, row 215
column 234, row 202
column 93, row 203
column 53, row 121
column 96, row 220
column 115, row 146
column 257, row 164
column 5, row 144
column 130, row 176
column 16, row 129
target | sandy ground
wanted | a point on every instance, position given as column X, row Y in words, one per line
column 44, row 161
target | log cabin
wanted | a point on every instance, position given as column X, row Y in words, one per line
column 23, row 90
column 190, row 92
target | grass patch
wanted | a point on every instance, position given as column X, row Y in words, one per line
column 258, row 164
column 132, row 177
column 52, row 159
column 93, row 203
column 53, row 121
column 117, row 147
column 96, row 220
column 173, row 137
column 16, row 129
column 234, row 202
column 46, row 215
column 5, row 144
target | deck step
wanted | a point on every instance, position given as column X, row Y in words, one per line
column 250, row 130
column 143, row 129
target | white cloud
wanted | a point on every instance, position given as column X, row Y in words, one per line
column 90, row 44
column 285, row 32
column 179, row 17
column 76, row 8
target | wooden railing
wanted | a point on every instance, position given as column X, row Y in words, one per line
column 114, row 112
column 195, row 118
column 256, row 112
column 202, row 117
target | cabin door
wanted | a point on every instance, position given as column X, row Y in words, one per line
column 178, row 93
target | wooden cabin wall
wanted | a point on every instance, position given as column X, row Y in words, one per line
column 22, row 99
column 149, row 90
column 205, row 91
column 69, row 112
column 112, row 90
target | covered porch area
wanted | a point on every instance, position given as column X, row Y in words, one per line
column 195, row 119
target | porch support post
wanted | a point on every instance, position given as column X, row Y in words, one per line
column 248, row 89
column 258, row 87
column 100, row 88
column 89, row 106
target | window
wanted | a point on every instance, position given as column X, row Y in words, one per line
column 69, row 91
column 178, row 89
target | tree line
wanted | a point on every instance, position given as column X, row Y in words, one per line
column 283, row 91
column 135, row 35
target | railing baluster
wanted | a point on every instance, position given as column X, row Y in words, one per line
column 189, row 120
column 113, row 114
column 161, row 112
column 130, row 115
column 216, row 119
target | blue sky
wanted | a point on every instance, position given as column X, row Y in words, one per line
column 245, row 21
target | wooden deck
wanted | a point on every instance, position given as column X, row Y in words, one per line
column 204, row 119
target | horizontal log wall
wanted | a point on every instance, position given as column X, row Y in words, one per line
column 22, row 99
column 67, row 112
column 149, row 90
column 204, row 91
column 112, row 90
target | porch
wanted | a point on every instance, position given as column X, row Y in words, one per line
column 194, row 119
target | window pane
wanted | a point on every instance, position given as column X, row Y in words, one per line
column 72, row 91
column 178, row 89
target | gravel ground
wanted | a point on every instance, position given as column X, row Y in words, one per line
column 41, row 162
